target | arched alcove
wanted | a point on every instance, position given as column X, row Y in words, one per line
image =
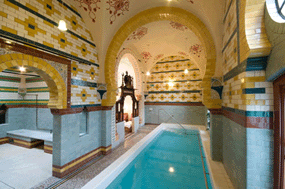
column 158, row 14
column 54, row 81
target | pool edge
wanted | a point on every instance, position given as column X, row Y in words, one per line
column 103, row 179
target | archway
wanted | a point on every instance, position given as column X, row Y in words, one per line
column 159, row 14
column 55, row 83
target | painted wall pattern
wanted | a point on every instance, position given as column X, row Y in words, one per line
column 186, row 87
column 34, row 22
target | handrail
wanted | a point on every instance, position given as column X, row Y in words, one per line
column 171, row 116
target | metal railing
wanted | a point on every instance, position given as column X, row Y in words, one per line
column 171, row 116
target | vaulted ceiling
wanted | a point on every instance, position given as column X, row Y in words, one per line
column 158, row 39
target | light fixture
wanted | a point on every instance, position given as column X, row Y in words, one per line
column 147, row 73
column 22, row 69
column 242, row 80
column 170, row 83
column 8, row 42
column 62, row 25
column 186, row 71
column 171, row 169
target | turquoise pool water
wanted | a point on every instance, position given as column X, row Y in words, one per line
column 172, row 160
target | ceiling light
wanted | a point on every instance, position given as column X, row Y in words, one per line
column 186, row 71
column 62, row 25
column 171, row 169
column 170, row 83
column 8, row 42
column 22, row 69
column 147, row 73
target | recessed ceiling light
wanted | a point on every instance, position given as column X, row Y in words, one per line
column 147, row 73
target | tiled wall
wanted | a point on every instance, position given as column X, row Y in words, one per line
column 259, row 158
column 235, row 152
column 194, row 115
column 187, row 86
column 35, row 22
column 9, row 84
column 84, row 84
column 247, row 102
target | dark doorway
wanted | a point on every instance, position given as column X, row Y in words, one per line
column 279, row 110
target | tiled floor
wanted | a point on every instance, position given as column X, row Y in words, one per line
column 220, row 177
column 22, row 168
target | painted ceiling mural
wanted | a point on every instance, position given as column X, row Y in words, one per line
column 156, row 40
column 138, row 34
column 196, row 50
column 178, row 26
column 182, row 53
column 117, row 8
column 159, row 56
column 90, row 6
column 105, row 17
column 146, row 56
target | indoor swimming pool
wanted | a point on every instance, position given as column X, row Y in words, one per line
column 170, row 159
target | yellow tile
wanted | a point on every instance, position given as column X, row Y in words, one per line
column 48, row 44
column 32, row 7
column 248, row 85
column 48, row 23
column 9, row 30
column 11, row 5
column 248, row 96
column 3, row 14
column 254, row 79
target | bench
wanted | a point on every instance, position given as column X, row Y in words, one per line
column 31, row 138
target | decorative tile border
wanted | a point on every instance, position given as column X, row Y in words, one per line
column 4, row 140
column 155, row 92
column 43, row 47
column 26, row 144
column 79, row 109
column 250, row 119
column 61, row 171
column 174, row 103
column 173, row 81
column 83, row 83
column 48, row 149
column 175, row 71
column 253, row 91
column 251, row 64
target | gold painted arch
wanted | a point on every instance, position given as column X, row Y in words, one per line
column 54, row 81
column 160, row 14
